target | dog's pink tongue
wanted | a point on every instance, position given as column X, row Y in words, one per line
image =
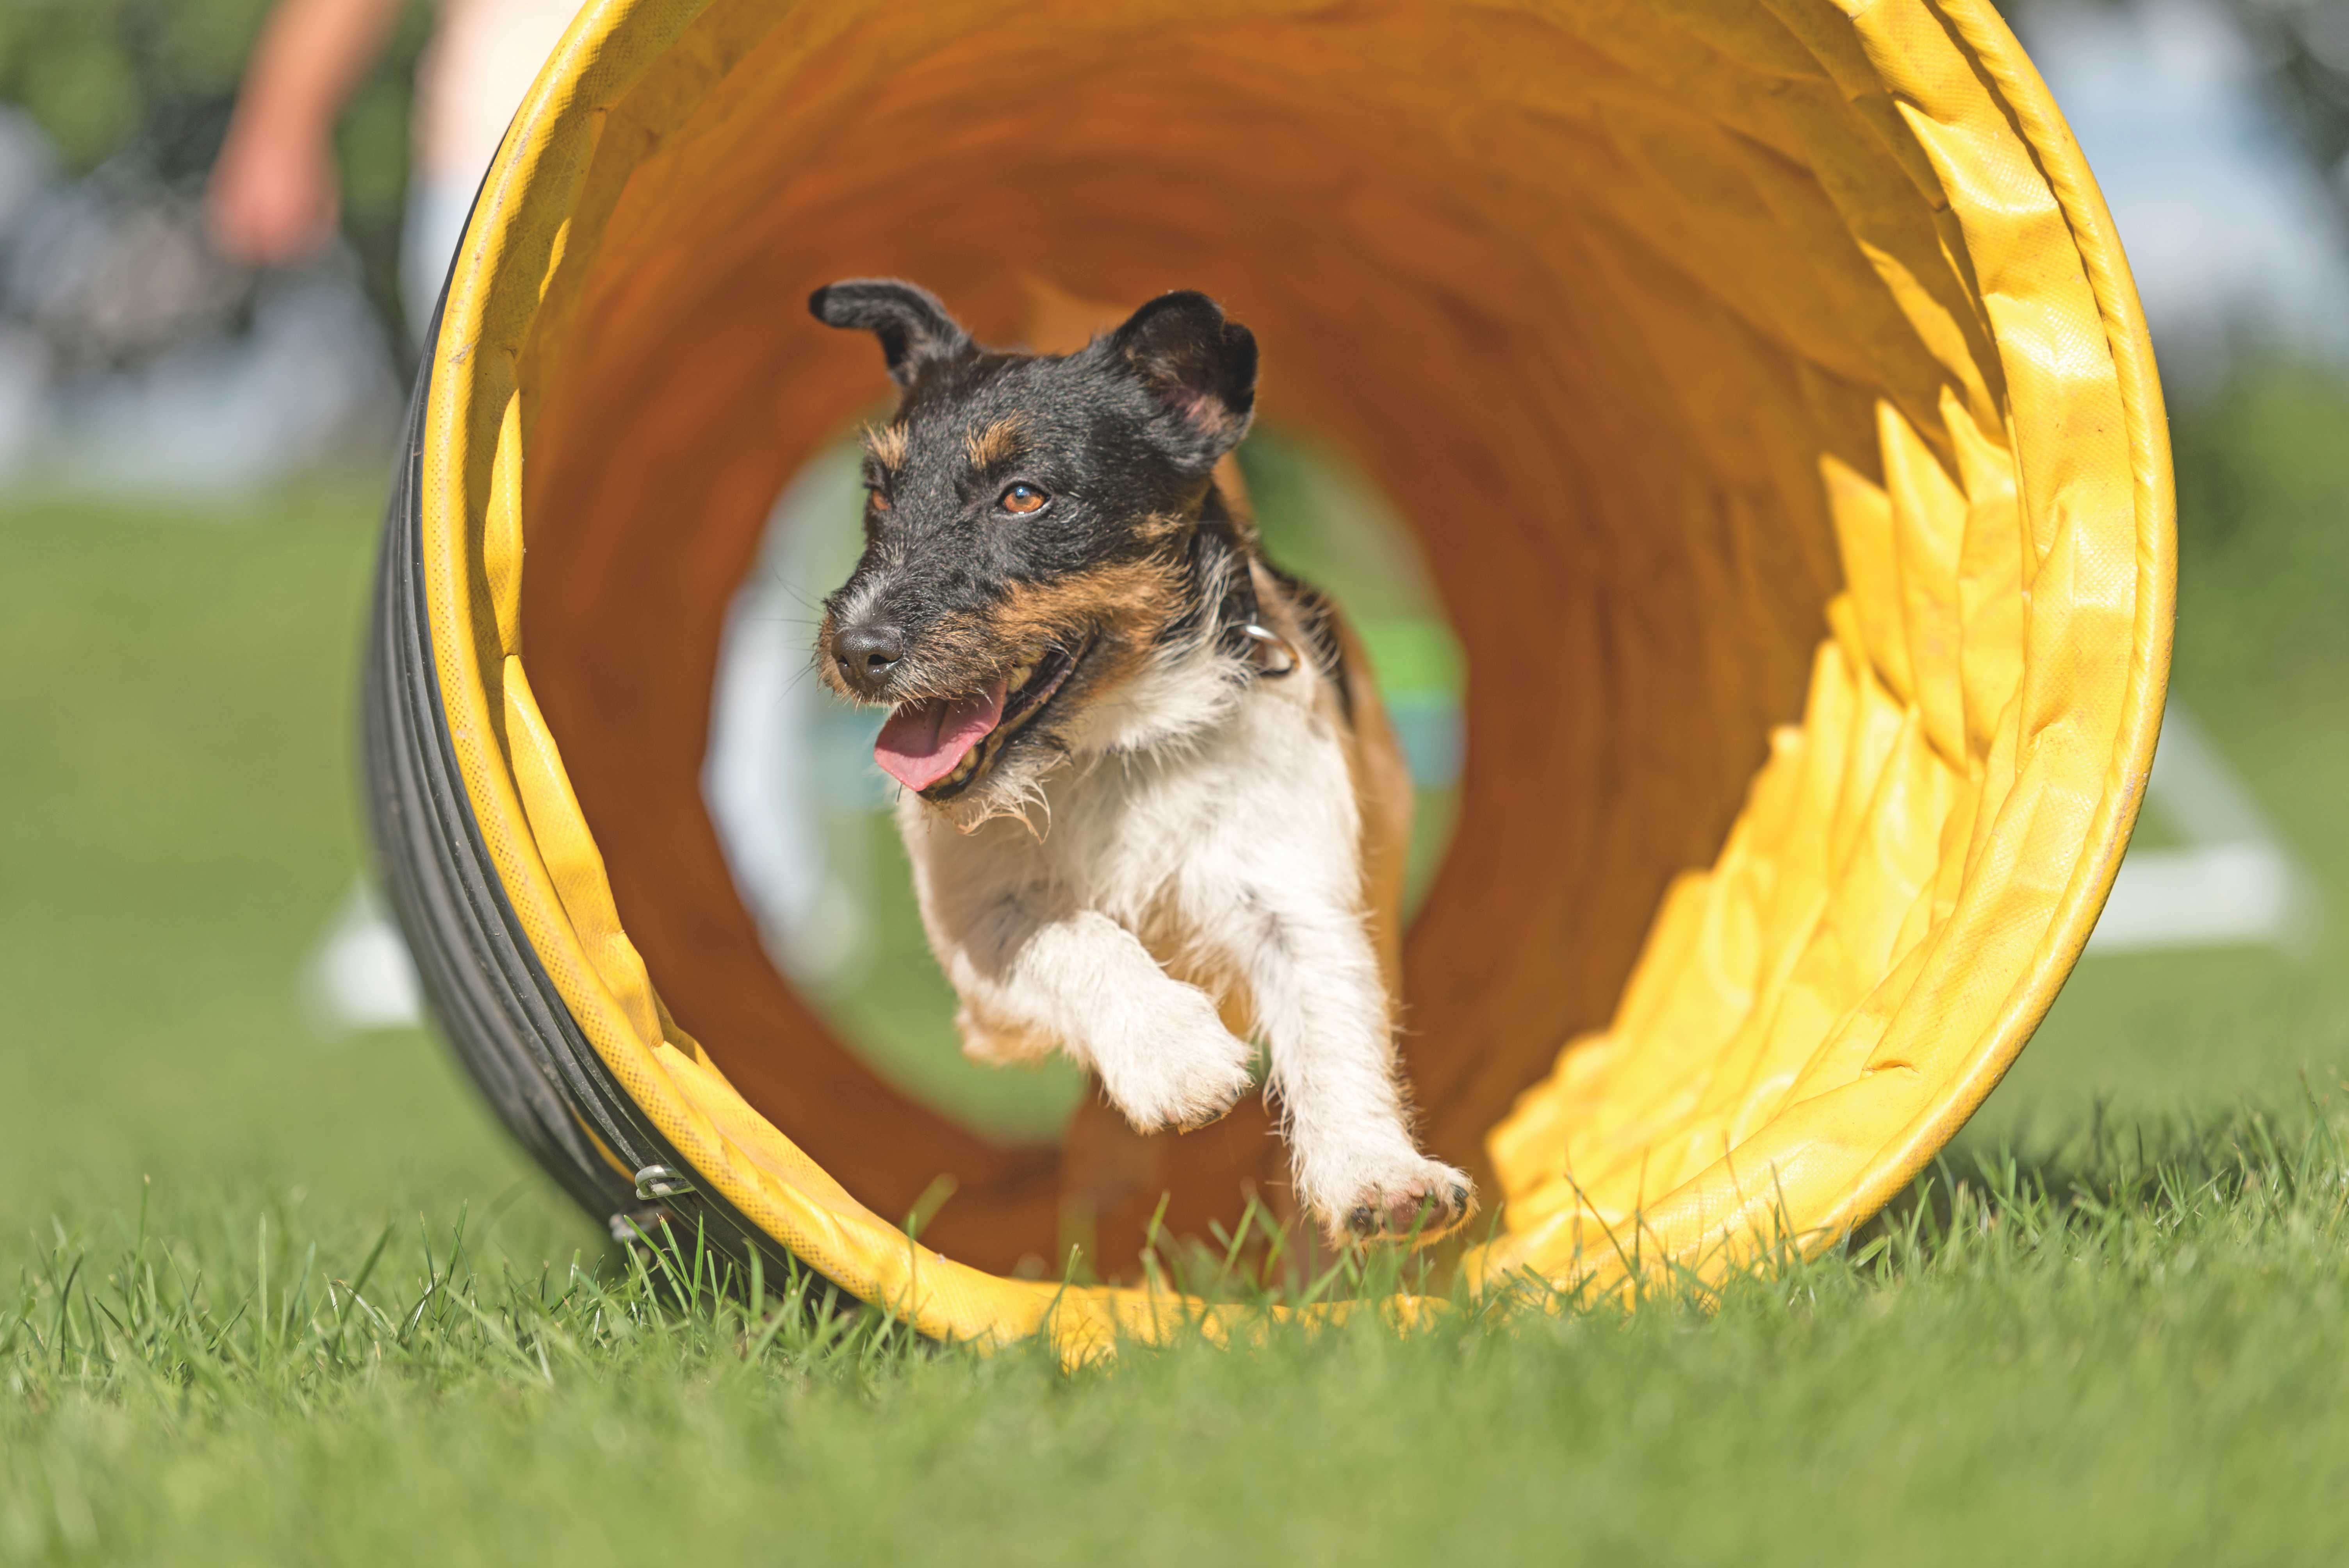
column 923, row 741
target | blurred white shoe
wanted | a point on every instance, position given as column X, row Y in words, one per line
column 360, row 978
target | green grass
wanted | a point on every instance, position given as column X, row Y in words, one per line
column 268, row 1295
column 2126, row 1355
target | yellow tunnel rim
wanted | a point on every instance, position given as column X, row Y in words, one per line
column 758, row 1173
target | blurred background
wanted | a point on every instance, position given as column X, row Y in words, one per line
column 202, row 356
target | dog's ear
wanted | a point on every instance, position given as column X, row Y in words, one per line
column 1200, row 365
column 913, row 326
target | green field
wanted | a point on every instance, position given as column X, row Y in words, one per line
column 272, row 1296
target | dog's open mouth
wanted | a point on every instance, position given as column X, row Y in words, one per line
column 938, row 748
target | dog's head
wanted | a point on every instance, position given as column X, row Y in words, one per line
column 1041, row 533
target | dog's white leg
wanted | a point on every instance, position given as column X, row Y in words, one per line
column 1322, row 1006
column 1158, row 1046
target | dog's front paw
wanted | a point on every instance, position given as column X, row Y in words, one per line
column 1412, row 1198
column 1181, row 1072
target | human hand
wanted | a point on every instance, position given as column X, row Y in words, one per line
column 275, row 196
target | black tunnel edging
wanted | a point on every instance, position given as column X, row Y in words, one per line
column 481, row 979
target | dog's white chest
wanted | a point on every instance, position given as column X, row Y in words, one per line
column 1178, row 830
column 1124, row 831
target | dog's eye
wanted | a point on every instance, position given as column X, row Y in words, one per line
column 879, row 499
column 1021, row 499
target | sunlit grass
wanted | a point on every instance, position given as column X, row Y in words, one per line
column 2135, row 1348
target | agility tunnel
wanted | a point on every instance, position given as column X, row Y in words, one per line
column 1768, row 391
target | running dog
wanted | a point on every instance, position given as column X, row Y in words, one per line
column 1153, row 804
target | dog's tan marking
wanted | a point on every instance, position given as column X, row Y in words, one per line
column 1129, row 599
column 1000, row 442
column 1160, row 528
column 887, row 444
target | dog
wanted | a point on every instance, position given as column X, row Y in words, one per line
column 1153, row 804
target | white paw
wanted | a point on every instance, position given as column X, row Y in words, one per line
column 1181, row 1070
column 1402, row 1197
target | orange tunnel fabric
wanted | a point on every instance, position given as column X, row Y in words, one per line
column 1765, row 383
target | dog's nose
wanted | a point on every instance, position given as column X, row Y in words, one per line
column 866, row 655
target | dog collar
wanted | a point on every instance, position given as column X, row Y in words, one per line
column 1261, row 642
column 1248, row 639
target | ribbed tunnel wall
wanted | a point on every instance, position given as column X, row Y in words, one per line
column 1764, row 382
